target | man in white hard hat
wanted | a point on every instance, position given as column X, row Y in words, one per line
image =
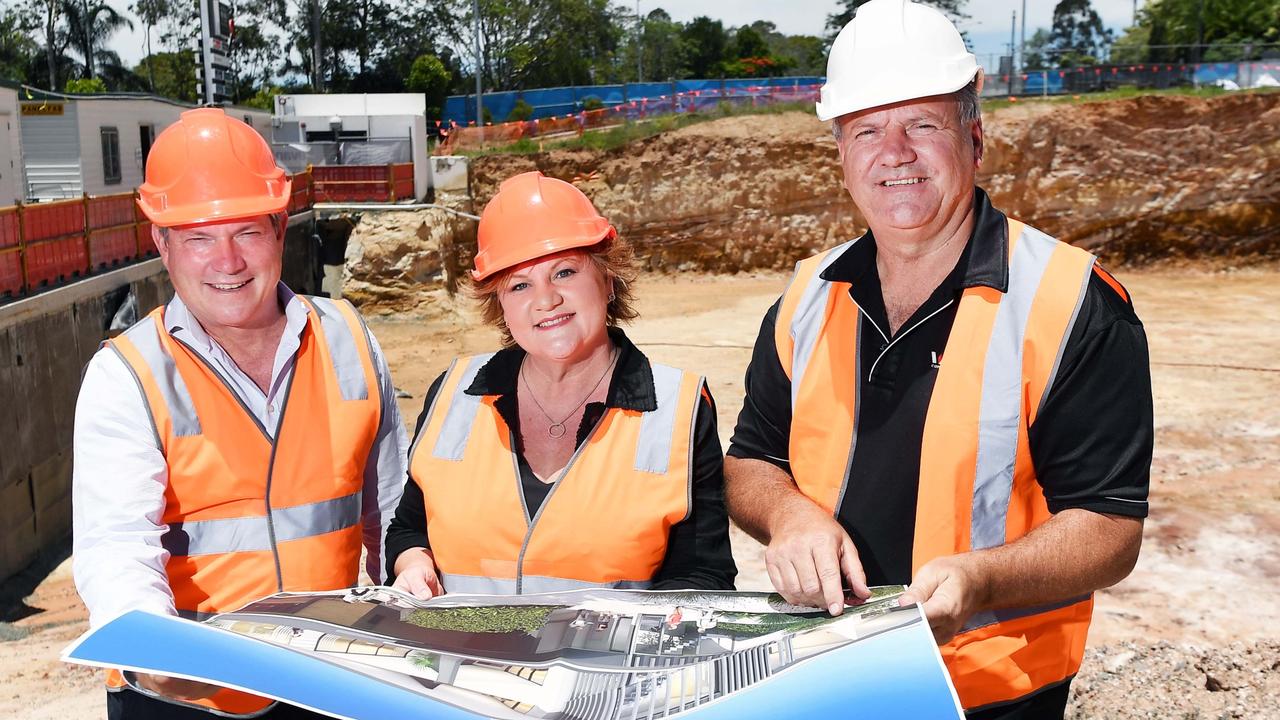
column 955, row 400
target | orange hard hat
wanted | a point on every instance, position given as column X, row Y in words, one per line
column 209, row 166
column 531, row 216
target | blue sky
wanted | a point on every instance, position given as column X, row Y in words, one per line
column 988, row 27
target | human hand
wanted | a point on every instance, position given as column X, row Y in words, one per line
column 416, row 574
column 808, row 556
column 176, row 688
column 949, row 591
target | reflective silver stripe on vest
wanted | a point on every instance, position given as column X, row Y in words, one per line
column 991, row 617
column 477, row 585
column 657, row 428
column 806, row 324
column 1000, row 413
column 460, row 415
column 182, row 410
column 250, row 534
column 1062, row 346
column 347, row 366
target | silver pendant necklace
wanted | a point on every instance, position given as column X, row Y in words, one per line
column 557, row 428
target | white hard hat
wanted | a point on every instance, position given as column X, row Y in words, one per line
column 894, row 50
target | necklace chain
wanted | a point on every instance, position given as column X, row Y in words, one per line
column 557, row 429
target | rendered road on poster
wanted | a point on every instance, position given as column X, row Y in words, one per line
column 585, row 655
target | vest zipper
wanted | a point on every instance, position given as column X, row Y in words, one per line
column 271, row 469
column 273, row 441
column 528, row 536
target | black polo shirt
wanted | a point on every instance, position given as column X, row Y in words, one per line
column 698, row 553
column 1091, row 443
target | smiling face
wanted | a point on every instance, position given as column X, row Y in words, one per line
column 910, row 167
column 556, row 306
column 225, row 272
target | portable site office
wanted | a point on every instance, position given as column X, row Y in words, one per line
column 72, row 145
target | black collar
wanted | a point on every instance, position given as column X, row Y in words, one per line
column 630, row 388
column 984, row 260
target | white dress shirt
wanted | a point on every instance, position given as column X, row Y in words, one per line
column 119, row 473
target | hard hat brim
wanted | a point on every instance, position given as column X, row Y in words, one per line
column 536, row 250
column 889, row 95
column 215, row 210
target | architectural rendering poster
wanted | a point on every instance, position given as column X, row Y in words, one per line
column 374, row 653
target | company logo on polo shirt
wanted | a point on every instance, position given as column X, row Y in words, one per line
column 935, row 360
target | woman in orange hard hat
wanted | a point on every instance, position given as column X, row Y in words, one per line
column 566, row 459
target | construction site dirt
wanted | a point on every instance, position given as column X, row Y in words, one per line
column 1190, row 634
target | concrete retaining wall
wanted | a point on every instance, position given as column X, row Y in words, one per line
column 45, row 342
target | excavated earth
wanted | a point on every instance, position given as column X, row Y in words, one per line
column 1138, row 180
column 1180, row 195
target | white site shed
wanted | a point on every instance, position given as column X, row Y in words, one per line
column 371, row 128
column 98, row 144
column 10, row 146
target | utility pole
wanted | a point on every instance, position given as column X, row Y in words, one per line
column 639, row 44
column 1013, row 30
column 1022, row 45
column 479, row 69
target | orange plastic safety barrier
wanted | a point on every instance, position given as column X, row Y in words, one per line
column 44, row 244
column 362, row 183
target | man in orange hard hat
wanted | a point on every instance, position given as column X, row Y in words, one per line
column 955, row 400
column 240, row 440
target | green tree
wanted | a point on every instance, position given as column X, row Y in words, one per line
column 421, row 28
column 17, row 50
column 1208, row 30
column 53, row 32
column 174, row 73
column 748, row 43
column 1037, row 57
column 264, row 98
column 1078, row 36
column 430, row 77
column 85, row 86
column 799, row 54
column 664, row 50
column 89, row 28
column 706, row 41
column 150, row 12
column 661, row 46
column 520, row 111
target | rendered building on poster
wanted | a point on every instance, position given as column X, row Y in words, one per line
column 595, row 660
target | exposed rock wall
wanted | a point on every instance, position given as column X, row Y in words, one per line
column 405, row 259
column 1134, row 180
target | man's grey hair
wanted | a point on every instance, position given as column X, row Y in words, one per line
column 968, row 107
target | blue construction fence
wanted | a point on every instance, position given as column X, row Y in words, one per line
column 554, row 102
column 1230, row 75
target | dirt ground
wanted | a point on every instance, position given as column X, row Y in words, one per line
column 1192, row 633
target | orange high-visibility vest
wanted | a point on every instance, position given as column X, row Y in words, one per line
column 247, row 515
column 978, row 487
column 606, row 521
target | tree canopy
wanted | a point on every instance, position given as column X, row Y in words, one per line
column 388, row 46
